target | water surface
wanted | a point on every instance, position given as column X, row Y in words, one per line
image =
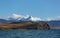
column 29, row 33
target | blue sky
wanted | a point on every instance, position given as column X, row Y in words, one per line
column 36, row 8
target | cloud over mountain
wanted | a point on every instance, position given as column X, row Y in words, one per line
column 31, row 18
column 24, row 18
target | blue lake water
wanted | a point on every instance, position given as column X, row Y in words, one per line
column 29, row 33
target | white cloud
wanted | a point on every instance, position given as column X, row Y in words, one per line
column 48, row 19
column 16, row 16
column 53, row 18
column 58, row 17
column 35, row 18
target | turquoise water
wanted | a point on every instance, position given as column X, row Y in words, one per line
column 29, row 33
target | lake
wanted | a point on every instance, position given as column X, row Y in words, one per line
column 30, row 33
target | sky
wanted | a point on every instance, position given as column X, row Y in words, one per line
column 35, row 8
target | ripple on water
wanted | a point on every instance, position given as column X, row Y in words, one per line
column 29, row 33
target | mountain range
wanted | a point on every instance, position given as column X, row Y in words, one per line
column 54, row 24
column 19, row 18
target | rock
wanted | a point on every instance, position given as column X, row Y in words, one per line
column 43, row 25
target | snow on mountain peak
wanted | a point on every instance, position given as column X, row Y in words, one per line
column 24, row 18
column 31, row 18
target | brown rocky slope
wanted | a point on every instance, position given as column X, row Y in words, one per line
column 25, row 25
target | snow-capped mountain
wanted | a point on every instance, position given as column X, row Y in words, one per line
column 16, row 17
column 25, row 19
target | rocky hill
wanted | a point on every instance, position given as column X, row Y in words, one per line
column 25, row 25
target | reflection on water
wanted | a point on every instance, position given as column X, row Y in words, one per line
column 29, row 33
